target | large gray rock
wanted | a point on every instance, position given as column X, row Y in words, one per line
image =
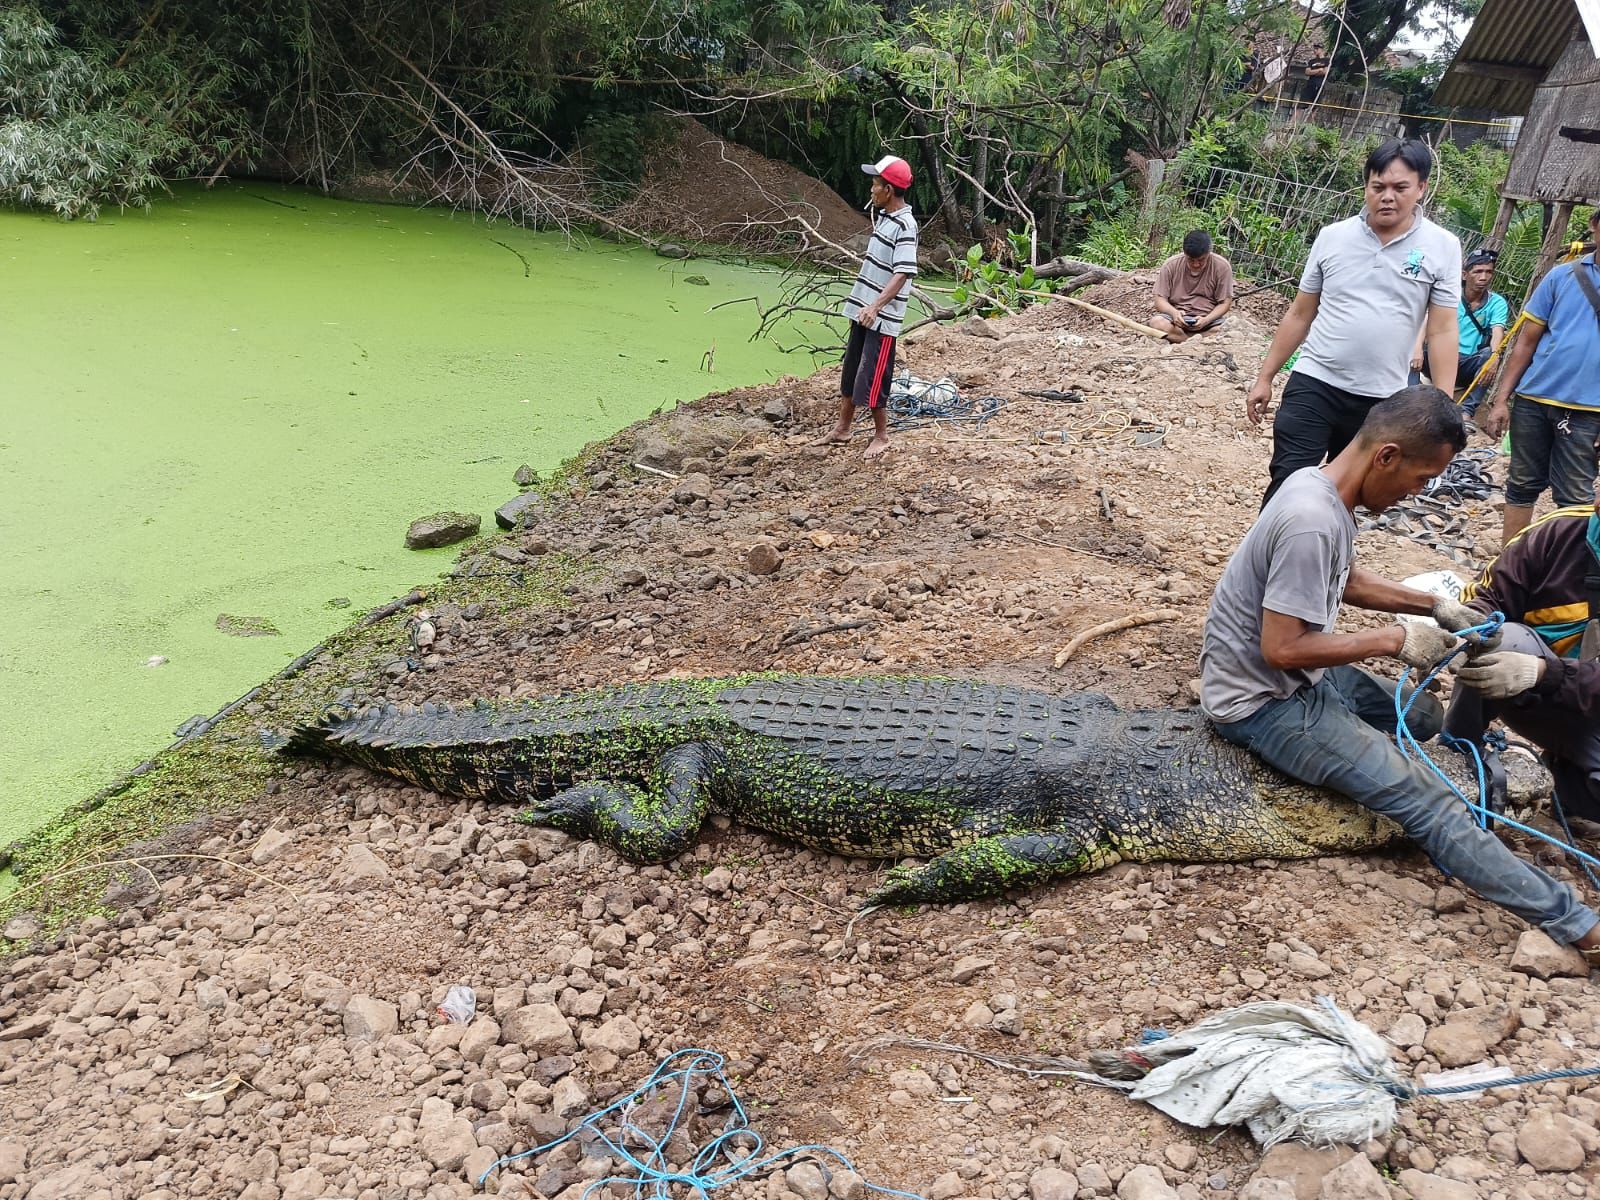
column 1262, row 1188
column 1145, row 1182
column 192, row 1033
column 441, row 529
column 368, row 1020
column 538, row 1029
column 1052, row 1183
column 672, row 441
column 1456, row 1044
column 251, row 972
column 1301, row 1167
column 307, row 1183
column 362, row 869
column 1536, row 954
column 483, row 1033
column 269, row 846
column 1547, row 1142
column 13, row 1159
column 519, row 510
column 1354, row 1179
column 67, row 1183
column 805, row 1180
column 618, row 1035
column 1469, row 1033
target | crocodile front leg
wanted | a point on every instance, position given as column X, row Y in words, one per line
column 991, row 865
column 644, row 825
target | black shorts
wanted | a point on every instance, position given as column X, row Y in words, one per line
column 868, row 368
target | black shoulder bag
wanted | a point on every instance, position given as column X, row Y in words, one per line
column 1483, row 333
column 1586, row 286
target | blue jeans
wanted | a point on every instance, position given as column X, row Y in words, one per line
column 1339, row 734
column 1467, row 368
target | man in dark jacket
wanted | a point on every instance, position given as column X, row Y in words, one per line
column 1543, row 680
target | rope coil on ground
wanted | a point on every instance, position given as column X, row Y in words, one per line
column 915, row 402
column 734, row 1155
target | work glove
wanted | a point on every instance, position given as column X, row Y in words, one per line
column 1501, row 675
column 1426, row 644
column 1456, row 616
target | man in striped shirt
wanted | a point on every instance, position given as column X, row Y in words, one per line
column 876, row 305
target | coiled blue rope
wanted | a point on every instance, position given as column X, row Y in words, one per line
column 713, row 1166
column 1409, row 746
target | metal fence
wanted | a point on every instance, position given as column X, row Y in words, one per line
column 1265, row 224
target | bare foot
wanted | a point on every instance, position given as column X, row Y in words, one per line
column 835, row 437
column 876, row 448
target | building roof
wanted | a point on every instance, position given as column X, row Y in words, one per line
column 1511, row 46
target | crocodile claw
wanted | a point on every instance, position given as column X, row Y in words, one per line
column 900, row 886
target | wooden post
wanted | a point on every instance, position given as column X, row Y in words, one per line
column 1155, row 173
column 1555, row 241
column 1502, row 222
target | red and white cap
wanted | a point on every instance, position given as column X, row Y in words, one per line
column 894, row 170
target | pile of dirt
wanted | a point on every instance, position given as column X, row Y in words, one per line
column 699, row 188
column 259, row 1022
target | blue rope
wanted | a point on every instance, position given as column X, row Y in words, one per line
column 937, row 403
column 646, row 1152
column 1408, row 745
column 1406, row 1092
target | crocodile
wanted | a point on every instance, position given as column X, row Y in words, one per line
column 997, row 787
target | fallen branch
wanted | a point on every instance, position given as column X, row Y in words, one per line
column 656, row 471
column 1118, row 318
column 1069, row 548
column 1131, row 621
column 795, row 637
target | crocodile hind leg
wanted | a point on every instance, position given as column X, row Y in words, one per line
column 644, row 825
column 991, row 865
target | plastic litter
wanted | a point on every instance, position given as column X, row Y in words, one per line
column 459, row 1005
column 1284, row 1071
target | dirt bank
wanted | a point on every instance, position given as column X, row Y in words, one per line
column 303, row 956
column 701, row 189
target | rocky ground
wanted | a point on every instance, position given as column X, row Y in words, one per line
column 258, row 1020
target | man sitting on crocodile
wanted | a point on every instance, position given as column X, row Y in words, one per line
column 1277, row 680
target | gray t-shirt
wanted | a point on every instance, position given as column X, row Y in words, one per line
column 1372, row 301
column 1295, row 560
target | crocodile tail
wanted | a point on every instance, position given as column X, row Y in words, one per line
column 307, row 741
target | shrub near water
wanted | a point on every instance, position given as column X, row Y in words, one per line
column 77, row 134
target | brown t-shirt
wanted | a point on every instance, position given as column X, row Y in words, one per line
column 1194, row 295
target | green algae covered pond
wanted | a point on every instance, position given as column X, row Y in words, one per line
column 233, row 405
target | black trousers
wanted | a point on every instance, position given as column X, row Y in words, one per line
column 1315, row 421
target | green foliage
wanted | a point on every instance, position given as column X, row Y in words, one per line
column 617, row 145
column 86, row 125
column 69, row 139
column 1116, row 243
column 989, row 287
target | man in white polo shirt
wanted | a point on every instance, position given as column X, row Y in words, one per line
column 1370, row 283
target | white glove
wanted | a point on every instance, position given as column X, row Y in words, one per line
column 1425, row 645
column 1501, row 675
column 1456, row 616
